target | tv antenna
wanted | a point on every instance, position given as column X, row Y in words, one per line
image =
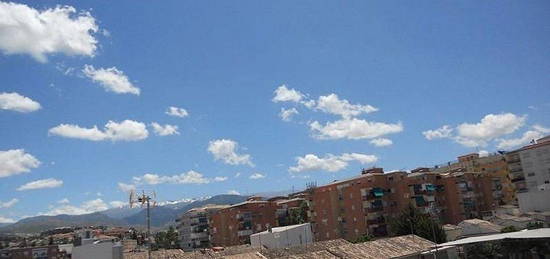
column 148, row 200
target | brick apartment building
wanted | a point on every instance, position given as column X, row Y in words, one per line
column 234, row 225
column 364, row 204
column 193, row 227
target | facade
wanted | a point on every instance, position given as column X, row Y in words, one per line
column 494, row 165
column 193, row 227
column 234, row 225
column 530, row 172
column 42, row 252
column 281, row 237
column 364, row 204
column 98, row 250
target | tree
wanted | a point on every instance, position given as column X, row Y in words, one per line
column 50, row 240
column 535, row 225
column 363, row 238
column 508, row 229
column 413, row 221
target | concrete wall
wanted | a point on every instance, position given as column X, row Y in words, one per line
column 534, row 201
column 105, row 250
column 295, row 236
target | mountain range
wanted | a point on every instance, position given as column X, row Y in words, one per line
column 161, row 216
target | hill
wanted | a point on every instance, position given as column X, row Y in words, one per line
column 161, row 216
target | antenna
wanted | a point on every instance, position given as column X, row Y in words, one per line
column 145, row 199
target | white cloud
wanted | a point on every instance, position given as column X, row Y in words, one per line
column 117, row 204
column 6, row 220
column 483, row 153
column 237, row 174
column 63, row 201
column 333, row 105
column 126, row 187
column 25, row 30
column 8, row 204
column 443, row 132
column 220, row 178
column 178, row 112
column 16, row 161
column 17, row 102
column 381, row 142
column 226, row 150
column 490, row 127
column 86, row 207
column 528, row 136
column 286, row 114
column 165, row 130
column 234, row 192
column 256, row 176
column 329, row 162
column 111, row 79
column 127, row 130
column 283, row 94
column 190, row 177
column 353, row 129
column 41, row 184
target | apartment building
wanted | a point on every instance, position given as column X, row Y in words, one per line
column 364, row 204
column 233, row 225
column 530, row 172
column 495, row 165
column 193, row 227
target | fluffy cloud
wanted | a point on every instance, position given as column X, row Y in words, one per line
column 226, row 150
column 353, row 129
column 234, row 192
column 190, row 177
column 127, row 130
column 286, row 114
column 41, row 184
column 491, row 127
column 220, row 178
column 381, row 142
column 111, row 79
column 6, row 220
column 444, row 132
column 535, row 133
column 16, row 161
column 25, row 30
column 283, row 94
column 86, row 207
column 333, row 105
column 178, row 112
column 17, row 102
column 329, row 162
column 8, row 204
column 117, row 204
column 256, row 176
column 63, row 201
column 126, row 187
column 165, row 130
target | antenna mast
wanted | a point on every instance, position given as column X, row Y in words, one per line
column 145, row 199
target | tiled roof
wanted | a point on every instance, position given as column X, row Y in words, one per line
column 301, row 250
column 384, row 248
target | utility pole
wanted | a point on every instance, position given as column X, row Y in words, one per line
column 145, row 200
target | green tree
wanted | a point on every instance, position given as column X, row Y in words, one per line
column 413, row 221
column 363, row 238
column 172, row 238
column 508, row 229
column 535, row 225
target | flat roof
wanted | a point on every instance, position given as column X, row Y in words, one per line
column 524, row 234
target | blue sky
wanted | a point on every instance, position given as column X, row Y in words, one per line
column 356, row 73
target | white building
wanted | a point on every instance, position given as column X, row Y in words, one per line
column 279, row 237
column 193, row 227
column 530, row 171
column 98, row 250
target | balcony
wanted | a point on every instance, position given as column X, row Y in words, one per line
column 517, row 179
column 375, row 193
column 378, row 220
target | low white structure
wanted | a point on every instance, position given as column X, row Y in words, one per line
column 289, row 236
column 478, row 227
column 536, row 200
column 518, row 222
column 98, row 250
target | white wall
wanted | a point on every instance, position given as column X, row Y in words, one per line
column 296, row 236
column 534, row 201
column 105, row 250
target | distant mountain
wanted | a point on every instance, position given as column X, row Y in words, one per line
column 5, row 224
column 120, row 213
column 165, row 215
column 41, row 223
column 161, row 216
